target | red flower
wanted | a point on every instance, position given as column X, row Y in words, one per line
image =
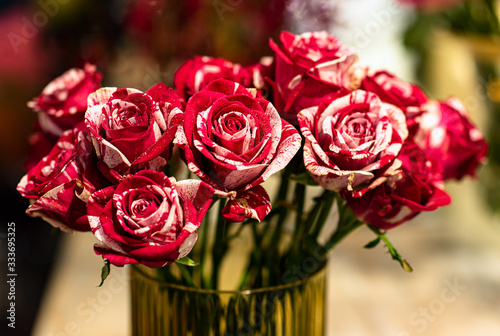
column 235, row 142
column 308, row 67
column 350, row 139
column 197, row 72
column 416, row 187
column 59, row 185
column 446, row 133
column 132, row 130
column 393, row 90
column 148, row 218
column 63, row 102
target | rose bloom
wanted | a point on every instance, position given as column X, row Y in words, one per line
column 131, row 130
column 235, row 142
column 416, row 187
column 60, row 184
column 393, row 90
column 446, row 133
column 308, row 67
column 63, row 102
column 197, row 72
column 350, row 138
column 60, row 106
column 148, row 218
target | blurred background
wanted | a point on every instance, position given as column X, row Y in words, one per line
column 449, row 47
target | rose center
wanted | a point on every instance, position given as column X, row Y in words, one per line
column 356, row 129
column 143, row 207
column 125, row 114
column 233, row 123
column 235, row 131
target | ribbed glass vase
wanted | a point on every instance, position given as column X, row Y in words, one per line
column 161, row 308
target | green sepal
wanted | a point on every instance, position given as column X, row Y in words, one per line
column 106, row 269
column 186, row 261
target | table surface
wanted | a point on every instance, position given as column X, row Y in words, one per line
column 454, row 289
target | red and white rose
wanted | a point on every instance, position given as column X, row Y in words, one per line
column 63, row 102
column 350, row 139
column 375, row 139
column 61, row 106
column 197, row 72
column 447, row 134
column 148, row 218
column 59, row 186
column 416, row 187
column 307, row 68
column 235, row 141
column 131, row 130
column 393, row 90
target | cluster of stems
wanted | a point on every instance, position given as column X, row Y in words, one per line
column 278, row 245
column 305, row 223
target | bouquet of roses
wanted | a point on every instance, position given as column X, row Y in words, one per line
column 141, row 169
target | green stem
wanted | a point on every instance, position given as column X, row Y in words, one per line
column 165, row 274
column 253, row 272
column 186, row 275
column 204, row 251
column 240, row 228
column 265, row 242
column 341, row 232
column 347, row 223
column 300, row 193
column 392, row 250
column 220, row 245
column 267, row 222
column 282, row 210
column 296, row 244
column 272, row 249
column 493, row 17
column 325, row 203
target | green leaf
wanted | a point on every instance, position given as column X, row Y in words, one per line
column 186, row 261
column 373, row 243
column 304, row 178
column 105, row 271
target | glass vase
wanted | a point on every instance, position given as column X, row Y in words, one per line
column 163, row 308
